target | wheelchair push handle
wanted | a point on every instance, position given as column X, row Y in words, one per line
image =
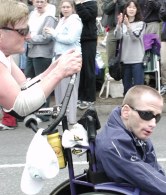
column 52, row 128
column 31, row 120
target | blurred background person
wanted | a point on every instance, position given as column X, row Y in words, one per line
column 163, row 59
column 67, row 35
column 87, row 11
column 19, row 96
column 112, row 8
column 150, row 12
column 40, row 45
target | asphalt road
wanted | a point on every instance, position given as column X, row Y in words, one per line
column 14, row 144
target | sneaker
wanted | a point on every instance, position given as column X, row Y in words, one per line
column 4, row 127
column 163, row 90
column 85, row 105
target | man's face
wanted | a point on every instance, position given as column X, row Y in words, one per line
column 11, row 41
column 66, row 9
column 40, row 5
column 141, row 128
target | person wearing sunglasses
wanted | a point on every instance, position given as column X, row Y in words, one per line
column 123, row 149
column 20, row 96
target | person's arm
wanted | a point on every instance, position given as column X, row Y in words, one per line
column 118, row 30
column 108, row 6
column 72, row 33
column 31, row 97
column 122, row 163
column 137, row 32
column 86, row 13
column 43, row 37
column 15, row 71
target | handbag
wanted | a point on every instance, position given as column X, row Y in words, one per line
column 115, row 64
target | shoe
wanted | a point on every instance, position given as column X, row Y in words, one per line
column 163, row 90
column 4, row 127
column 85, row 105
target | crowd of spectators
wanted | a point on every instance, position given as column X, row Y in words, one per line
column 33, row 61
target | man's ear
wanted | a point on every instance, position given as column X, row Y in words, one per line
column 125, row 112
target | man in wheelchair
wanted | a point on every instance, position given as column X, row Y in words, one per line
column 123, row 149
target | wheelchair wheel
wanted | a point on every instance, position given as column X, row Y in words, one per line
column 64, row 188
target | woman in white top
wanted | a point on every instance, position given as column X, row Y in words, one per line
column 67, row 35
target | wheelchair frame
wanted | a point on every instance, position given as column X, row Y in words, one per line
column 80, row 184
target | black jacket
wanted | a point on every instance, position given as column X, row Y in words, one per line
column 150, row 10
column 87, row 11
column 112, row 10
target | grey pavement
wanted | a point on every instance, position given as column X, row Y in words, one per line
column 14, row 145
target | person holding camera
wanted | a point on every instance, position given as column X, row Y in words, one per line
column 19, row 96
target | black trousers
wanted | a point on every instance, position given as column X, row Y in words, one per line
column 87, row 85
column 34, row 67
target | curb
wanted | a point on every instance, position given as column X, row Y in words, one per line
column 105, row 110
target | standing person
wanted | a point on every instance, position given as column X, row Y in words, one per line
column 130, row 29
column 19, row 96
column 87, row 11
column 112, row 8
column 150, row 12
column 67, row 35
column 40, row 44
column 124, row 151
column 8, row 122
column 163, row 59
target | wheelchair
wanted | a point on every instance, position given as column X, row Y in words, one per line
column 90, row 182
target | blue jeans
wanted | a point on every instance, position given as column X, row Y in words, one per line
column 133, row 74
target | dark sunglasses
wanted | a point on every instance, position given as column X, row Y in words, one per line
column 21, row 31
column 147, row 115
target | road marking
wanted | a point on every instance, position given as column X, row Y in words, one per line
column 75, row 163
